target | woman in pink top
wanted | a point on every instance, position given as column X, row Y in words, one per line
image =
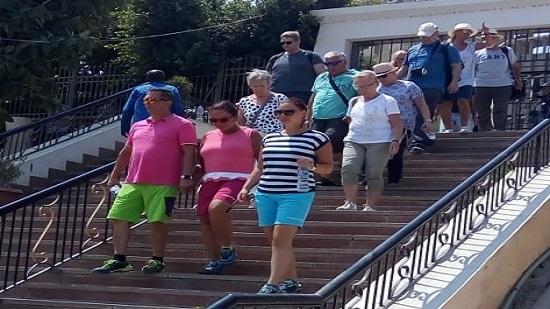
column 226, row 158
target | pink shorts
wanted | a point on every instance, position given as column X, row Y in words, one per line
column 222, row 190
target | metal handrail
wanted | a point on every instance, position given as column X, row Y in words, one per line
column 531, row 151
column 24, row 140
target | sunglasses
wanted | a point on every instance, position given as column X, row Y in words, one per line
column 286, row 112
column 286, row 42
column 334, row 63
column 153, row 100
column 383, row 75
column 221, row 120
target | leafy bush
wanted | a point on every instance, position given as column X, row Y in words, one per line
column 9, row 171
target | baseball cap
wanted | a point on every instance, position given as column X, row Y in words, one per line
column 427, row 29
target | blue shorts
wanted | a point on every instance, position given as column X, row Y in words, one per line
column 464, row 92
column 283, row 208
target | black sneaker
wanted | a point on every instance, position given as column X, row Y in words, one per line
column 290, row 286
column 153, row 266
column 417, row 149
column 212, row 268
column 113, row 266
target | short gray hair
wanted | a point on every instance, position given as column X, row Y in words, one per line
column 366, row 73
column 342, row 55
column 257, row 74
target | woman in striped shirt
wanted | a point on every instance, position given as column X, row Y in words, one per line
column 283, row 198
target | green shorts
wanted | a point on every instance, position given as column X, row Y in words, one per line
column 156, row 201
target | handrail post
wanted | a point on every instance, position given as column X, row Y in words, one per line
column 536, row 163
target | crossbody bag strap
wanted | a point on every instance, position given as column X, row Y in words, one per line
column 338, row 91
column 258, row 112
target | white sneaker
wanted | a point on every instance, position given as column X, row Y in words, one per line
column 448, row 131
column 368, row 208
column 464, row 130
column 347, row 206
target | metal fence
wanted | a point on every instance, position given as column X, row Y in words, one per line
column 389, row 270
column 73, row 88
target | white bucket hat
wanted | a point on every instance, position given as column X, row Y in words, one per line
column 462, row 26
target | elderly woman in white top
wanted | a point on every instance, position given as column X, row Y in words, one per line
column 461, row 38
column 494, row 81
column 374, row 132
column 257, row 110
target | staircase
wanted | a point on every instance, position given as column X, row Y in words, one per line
column 329, row 242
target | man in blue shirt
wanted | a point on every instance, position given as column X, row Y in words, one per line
column 134, row 107
column 328, row 104
column 434, row 67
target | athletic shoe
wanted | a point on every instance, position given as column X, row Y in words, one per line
column 113, row 266
column 417, row 149
column 464, row 130
column 212, row 268
column 290, row 286
column 347, row 206
column 447, row 131
column 269, row 289
column 368, row 208
column 153, row 266
column 228, row 256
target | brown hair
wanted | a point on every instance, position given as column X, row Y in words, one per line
column 225, row 105
column 294, row 35
column 164, row 93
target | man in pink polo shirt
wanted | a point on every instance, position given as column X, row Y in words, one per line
column 160, row 156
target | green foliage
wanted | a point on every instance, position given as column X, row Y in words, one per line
column 40, row 36
column 9, row 171
column 184, row 85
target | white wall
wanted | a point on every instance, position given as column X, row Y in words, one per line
column 343, row 26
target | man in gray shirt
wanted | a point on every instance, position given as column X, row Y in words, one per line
column 294, row 70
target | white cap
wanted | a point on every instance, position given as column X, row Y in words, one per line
column 427, row 29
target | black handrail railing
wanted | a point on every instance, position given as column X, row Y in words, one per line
column 45, row 229
column 391, row 268
column 62, row 126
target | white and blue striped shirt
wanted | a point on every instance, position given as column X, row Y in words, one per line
column 279, row 155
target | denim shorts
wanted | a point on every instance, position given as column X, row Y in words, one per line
column 464, row 92
column 283, row 208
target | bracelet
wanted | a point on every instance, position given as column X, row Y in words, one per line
column 427, row 120
column 186, row 177
column 313, row 168
column 395, row 140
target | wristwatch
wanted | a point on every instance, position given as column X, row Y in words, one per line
column 186, row 177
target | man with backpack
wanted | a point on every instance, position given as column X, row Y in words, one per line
column 435, row 67
column 294, row 70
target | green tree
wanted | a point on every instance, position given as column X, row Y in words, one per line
column 38, row 36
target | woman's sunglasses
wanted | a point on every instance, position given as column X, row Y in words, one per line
column 286, row 112
column 215, row 120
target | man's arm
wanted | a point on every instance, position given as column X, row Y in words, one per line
column 310, row 103
column 177, row 104
column 120, row 165
column 456, row 70
column 402, row 72
column 189, row 162
column 319, row 68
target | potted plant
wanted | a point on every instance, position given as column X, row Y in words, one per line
column 9, row 173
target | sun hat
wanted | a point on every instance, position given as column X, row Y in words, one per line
column 462, row 26
column 494, row 32
column 427, row 29
column 383, row 68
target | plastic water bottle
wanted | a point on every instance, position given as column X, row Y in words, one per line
column 303, row 179
column 114, row 190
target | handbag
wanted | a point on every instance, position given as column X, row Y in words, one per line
column 516, row 93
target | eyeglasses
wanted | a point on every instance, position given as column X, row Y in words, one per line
column 364, row 86
column 286, row 112
column 221, row 120
column 334, row 63
column 153, row 100
column 286, row 42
